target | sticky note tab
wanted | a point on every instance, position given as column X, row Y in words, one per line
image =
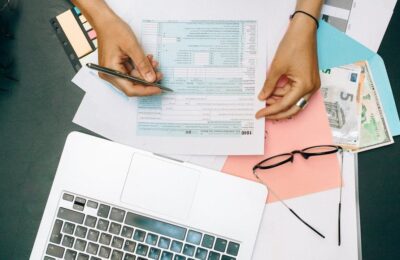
column 92, row 34
column 74, row 33
column 77, row 11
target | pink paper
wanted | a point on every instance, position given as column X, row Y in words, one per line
column 310, row 127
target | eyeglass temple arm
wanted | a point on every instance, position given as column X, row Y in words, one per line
column 305, row 223
column 291, row 210
column 339, row 228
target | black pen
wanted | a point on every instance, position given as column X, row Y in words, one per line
column 119, row 74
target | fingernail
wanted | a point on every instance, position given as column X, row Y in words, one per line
column 149, row 77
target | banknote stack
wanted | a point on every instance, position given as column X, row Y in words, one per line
column 354, row 109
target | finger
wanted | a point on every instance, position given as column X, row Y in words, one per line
column 133, row 90
column 283, row 104
column 159, row 76
column 290, row 112
column 270, row 83
column 281, row 91
column 142, row 62
column 271, row 101
column 286, row 114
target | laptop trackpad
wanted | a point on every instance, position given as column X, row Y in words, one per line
column 160, row 186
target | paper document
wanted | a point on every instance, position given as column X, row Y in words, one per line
column 282, row 236
column 107, row 112
column 215, row 61
column 211, row 67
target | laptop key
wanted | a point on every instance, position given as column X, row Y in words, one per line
column 79, row 204
column 220, row 245
column 102, row 224
column 116, row 255
column 151, row 239
column 129, row 246
column 105, row 252
column 127, row 232
column 166, row 256
column 105, row 239
column 225, row 257
column 164, row 242
column 92, row 204
column 142, row 249
column 68, row 197
column 154, row 253
column 188, row 250
column 82, row 257
column 208, row 241
column 176, row 246
column 56, row 236
column 103, row 211
column 201, row 253
column 233, row 248
column 48, row 258
column 94, row 258
column 93, row 235
column 68, row 228
column 129, row 257
column 214, row 256
column 117, row 242
column 193, row 237
column 70, row 215
column 115, row 228
column 117, row 214
column 80, row 231
column 179, row 257
column 92, row 248
column 54, row 250
column 90, row 221
column 70, row 254
column 139, row 235
column 68, row 241
column 80, row 244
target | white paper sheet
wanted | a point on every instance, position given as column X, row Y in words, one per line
column 107, row 112
column 282, row 236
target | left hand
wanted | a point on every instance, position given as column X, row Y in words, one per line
column 294, row 72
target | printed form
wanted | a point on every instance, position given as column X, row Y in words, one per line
column 213, row 66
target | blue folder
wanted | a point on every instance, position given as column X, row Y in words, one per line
column 336, row 48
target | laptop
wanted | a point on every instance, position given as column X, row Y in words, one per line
column 110, row 201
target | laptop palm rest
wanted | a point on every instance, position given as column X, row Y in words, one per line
column 160, row 186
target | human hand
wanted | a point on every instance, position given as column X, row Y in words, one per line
column 294, row 71
column 120, row 50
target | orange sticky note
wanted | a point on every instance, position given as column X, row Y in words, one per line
column 310, row 127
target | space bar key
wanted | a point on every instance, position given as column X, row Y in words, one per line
column 156, row 226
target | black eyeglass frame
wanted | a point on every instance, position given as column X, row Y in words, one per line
column 302, row 152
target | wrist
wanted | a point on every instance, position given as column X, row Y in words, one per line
column 302, row 24
column 96, row 12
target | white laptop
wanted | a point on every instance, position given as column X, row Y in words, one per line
column 110, row 201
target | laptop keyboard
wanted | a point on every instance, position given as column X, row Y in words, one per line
column 86, row 229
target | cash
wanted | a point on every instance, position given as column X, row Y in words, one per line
column 374, row 130
column 354, row 110
column 341, row 89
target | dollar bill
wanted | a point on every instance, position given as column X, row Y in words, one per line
column 341, row 88
column 374, row 130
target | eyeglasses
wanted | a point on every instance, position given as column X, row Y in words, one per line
column 306, row 153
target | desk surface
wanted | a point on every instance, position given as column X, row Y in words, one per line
column 36, row 117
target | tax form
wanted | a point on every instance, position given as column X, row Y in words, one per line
column 216, row 65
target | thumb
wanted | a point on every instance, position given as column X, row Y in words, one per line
column 142, row 63
column 269, row 84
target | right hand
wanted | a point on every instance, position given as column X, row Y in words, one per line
column 120, row 50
